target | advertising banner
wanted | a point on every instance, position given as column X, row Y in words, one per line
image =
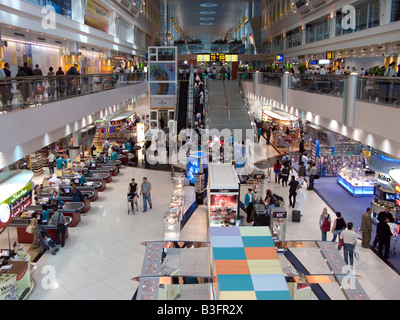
column 62, row 7
column 163, row 89
column 162, row 71
column 96, row 16
column 15, row 205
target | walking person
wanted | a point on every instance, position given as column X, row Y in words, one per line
column 384, row 234
column 293, row 184
column 277, row 171
column 285, row 175
column 324, row 223
column 248, row 203
column 301, row 195
column 34, row 225
column 312, row 174
column 145, row 190
column 349, row 237
column 51, row 158
column 366, row 228
column 70, row 77
column 59, row 220
column 268, row 133
column 338, row 226
column 60, row 81
column 132, row 192
column 269, row 201
column 51, row 82
column 382, row 216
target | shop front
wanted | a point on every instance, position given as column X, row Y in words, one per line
column 384, row 188
column 223, row 195
column 283, row 127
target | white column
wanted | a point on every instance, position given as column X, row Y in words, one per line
column 332, row 26
column 384, row 17
column 112, row 30
column 349, row 100
column 78, row 8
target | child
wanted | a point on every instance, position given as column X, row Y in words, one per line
column 51, row 244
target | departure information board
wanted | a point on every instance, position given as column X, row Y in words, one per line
column 231, row 58
column 203, row 58
column 217, row 57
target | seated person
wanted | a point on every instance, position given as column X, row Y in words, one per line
column 76, row 194
column 45, row 214
column 56, row 197
column 82, row 179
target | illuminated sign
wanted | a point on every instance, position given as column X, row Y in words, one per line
column 329, row 55
column 279, row 57
column 217, row 57
column 203, row 58
column 397, row 190
column 15, row 205
column 231, row 58
column 383, row 178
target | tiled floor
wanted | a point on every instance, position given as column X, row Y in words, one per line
column 104, row 251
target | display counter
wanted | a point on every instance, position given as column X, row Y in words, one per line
column 65, row 189
column 106, row 169
column 15, row 277
column 223, row 194
column 384, row 198
column 24, row 237
column 356, row 182
column 87, row 200
column 97, row 176
column 114, row 169
column 70, row 209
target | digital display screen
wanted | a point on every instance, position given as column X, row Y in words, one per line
column 203, row 58
column 378, row 193
column 397, row 189
column 231, row 58
column 5, row 253
column 390, row 197
column 217, row 57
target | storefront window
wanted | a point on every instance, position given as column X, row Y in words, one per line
column 277, row 43
column 395, row 12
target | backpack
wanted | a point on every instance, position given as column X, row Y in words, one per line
column 326, row 225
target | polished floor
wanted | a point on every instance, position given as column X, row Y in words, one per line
column 104, row 252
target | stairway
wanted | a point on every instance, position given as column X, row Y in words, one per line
column 182, row 104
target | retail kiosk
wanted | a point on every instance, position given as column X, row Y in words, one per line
column 223, row 194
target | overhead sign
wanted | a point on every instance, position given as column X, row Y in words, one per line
column 397, row 194
column 329, row 55
column 203, row 58
column 279, row 57
column 231, row 58
column 217, row 57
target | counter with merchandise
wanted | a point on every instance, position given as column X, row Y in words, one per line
column 223, row 194
column 356, row 182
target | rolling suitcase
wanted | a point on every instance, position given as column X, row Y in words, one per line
column 296, row 216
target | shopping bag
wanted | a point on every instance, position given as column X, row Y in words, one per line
column 356, row 255
column 29, row 229
column 40, row 90
column 340, row 244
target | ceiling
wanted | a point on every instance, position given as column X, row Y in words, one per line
column 227, row 14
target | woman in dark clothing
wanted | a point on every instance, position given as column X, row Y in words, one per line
column 23, row 86
column 383, row 233
column 338, row 226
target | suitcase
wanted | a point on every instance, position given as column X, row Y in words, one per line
column 296, row 215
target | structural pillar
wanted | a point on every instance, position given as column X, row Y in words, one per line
column 349, row 100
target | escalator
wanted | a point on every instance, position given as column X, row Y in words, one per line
column 182, row 105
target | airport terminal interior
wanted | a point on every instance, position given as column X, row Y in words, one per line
column 203, row 150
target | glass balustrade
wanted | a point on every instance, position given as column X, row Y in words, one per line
column 24, row 92
column 379, row 90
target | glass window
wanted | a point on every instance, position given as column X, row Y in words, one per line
column 367, row 16
column 395, row 12
column 293, row 38
column 317, row 30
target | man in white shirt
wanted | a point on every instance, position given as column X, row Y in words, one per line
column 349, row 237
column 51, row 158
column 304, row 159
column 391, row 72
column 338, row 72
column 362, row 72
column 323, row 70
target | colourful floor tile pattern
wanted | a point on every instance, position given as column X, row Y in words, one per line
column 245, row 264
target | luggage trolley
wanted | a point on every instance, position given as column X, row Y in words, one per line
column 132, row 203
column 395, row 229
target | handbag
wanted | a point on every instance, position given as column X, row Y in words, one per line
column 40, row 90
column 356, row 255
column 29, row 229
column 340, row 244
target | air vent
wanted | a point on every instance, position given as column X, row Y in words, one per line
column 352, row 51
column 41, row 39
column 93, row 49
column 19, row 34
column 83, row 47
column 380, row 47
column 365, row 49
column 59, row 42
column 397, row 45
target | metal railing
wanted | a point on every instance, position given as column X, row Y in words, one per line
column 22, row 92
column 380, row 90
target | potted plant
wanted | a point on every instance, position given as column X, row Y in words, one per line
column 302, row 68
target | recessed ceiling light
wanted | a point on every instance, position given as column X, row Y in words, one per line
column 209, row 5
column 206, row 23
column 207, row 12
column 207, row 18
